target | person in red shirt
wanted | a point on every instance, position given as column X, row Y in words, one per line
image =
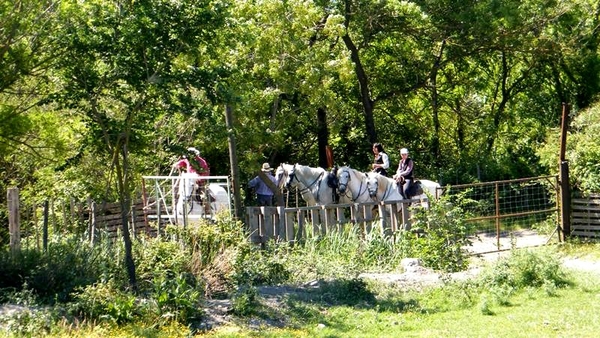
column 198, row 165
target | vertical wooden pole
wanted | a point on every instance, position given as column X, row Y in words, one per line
column 14, row 219
column 497, row 217
column 565, row 188
column 45, row 226
column 159, row 200
column 565, row 201
column 233, row 162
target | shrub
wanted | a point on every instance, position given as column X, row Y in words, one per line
column 444, row 236
column 28, row 322
column 103, row 301
column 346, row 291
column 244, row 302
column 524, row 268
column 177, row 297
column 53, row 275
column 253, row 266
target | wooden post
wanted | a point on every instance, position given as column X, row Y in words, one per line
column 14, row 219
column 45, row 226
column 565, row 202
column 565, row 188
column 405, row 217
column 233, row 162
column 497, row 203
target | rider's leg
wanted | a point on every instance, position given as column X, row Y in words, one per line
column 406, row 188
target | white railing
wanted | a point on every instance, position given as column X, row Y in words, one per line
column 160, row 197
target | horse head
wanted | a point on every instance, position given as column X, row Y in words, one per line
column 373, row 184
column 285, row 175
column 280, row 175
column 343, row 175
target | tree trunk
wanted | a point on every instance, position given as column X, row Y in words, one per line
column 363, row 81
column 233, row 161
column 435, row 142
column 125, row 203
column 322, row 137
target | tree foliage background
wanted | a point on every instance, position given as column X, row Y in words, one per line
column 95, row 94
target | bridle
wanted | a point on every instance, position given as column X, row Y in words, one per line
column 303, row 187
column 360, row 191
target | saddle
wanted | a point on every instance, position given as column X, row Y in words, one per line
column 332, row 182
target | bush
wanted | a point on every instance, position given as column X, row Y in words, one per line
column 177, row 297
column 53, row 275
column 254, row 266
column 523, row 269
column 244, row 302
column 104, row 302
column 346, row 292
column 438, row 236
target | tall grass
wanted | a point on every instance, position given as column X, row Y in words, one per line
column 177, row 270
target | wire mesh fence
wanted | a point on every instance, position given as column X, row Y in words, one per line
column 509, row 210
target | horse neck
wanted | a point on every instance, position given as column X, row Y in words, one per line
column 186, row 185
column 357, row 177
column 309, row 177
column 387, row 187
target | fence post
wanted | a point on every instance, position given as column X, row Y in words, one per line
column 45, row 226
column 565, row 189
column 14, row 219
column 565, row 201
column 93, row 229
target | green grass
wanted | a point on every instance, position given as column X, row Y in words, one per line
column 572, row 312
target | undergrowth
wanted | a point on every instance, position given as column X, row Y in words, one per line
column 176, row 272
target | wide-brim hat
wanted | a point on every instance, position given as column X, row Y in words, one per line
column 266, row 167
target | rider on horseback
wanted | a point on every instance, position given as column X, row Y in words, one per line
column 197, row 166
column 404, row 174
column 381, row 161
column 192, row 163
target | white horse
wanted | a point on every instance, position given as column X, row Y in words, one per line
column 434, row 189
column 198, row 200
column 352, row 185
column 382, row 188
column 312, row 183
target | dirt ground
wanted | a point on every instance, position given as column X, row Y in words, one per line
column 484, row 250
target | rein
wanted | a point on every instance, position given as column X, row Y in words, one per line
column 307, row 188
column 359, row 188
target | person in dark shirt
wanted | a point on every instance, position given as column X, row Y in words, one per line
column 381, row 161
column 404, row 174
column 264, row 195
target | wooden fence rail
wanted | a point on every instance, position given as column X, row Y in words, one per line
column 585, row 215
column 97, row 219
column 293, row 224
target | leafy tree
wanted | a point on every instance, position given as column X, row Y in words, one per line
column 128, row 63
